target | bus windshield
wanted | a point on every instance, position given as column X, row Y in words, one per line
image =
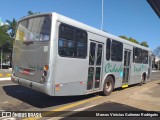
column 34, row 29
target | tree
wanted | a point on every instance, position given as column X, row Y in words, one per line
column 12, row 27
column 144, row 43
column 129, row 39
column 30, row 12
column 4, row 28
column 6, row 43
column 4, row 37
column 124, row 37
column 133, row 40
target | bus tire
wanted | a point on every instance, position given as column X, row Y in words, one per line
column 108, row 86
column 142, row 79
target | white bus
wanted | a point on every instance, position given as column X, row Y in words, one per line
column 59, row 56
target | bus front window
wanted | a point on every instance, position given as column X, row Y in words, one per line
column 34, row 29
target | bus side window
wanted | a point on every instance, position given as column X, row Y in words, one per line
column 138, row 55
column 145, row 57
column 66, row 41
column 108, row 49
column 81, row 41
column 72, row 42
column 117, row 51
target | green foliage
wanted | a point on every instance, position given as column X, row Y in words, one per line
column 7, row 34
column 4, row 28
column 30, row 12
column 144, row 43
column 124, row 37
column 12, row 27
column 6, row 41
column 135, row 41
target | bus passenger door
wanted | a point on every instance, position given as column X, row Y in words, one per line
column 95, row 66
column 127, row 66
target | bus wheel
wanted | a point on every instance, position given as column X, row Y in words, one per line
column 142, row 80
column 108, row 86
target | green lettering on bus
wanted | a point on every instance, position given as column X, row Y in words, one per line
column 114, row 68
column 139, row 68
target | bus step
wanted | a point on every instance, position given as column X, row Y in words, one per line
column 125, row 85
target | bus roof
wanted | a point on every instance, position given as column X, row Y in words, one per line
column 88, row 28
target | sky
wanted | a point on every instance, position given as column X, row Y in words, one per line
column 131, row 18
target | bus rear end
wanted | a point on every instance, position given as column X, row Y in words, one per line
column 31, row 53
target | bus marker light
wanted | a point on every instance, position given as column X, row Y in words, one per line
column 46, row 67
column 124, row 86
column 96, row 80
column 82, row 82
column 57, row 87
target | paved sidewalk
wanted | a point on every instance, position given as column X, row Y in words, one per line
column 5, row 79
column 155, row 70
column 5, row 73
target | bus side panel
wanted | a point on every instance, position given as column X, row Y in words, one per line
column 135, row 75
column 71, row 88
column 71, row 74
column 137, row 71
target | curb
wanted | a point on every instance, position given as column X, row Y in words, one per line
column 5, row 75
column 5, row 79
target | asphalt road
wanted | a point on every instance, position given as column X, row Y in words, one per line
column 135, row 98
